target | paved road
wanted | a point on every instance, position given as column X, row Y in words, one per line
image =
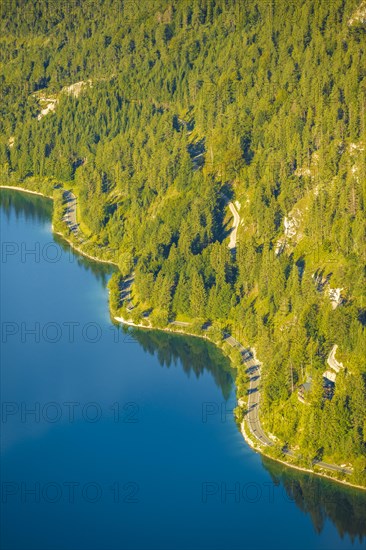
column 236, row 221
column 126, row 291
column 253, row 369
column 70, row 215
column 254, row 424
column 332, row 361
column 254, row 372
column 332, row 467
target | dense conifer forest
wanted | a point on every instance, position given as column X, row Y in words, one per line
column 156, row 113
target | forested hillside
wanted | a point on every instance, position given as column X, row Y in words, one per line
column 155, row 112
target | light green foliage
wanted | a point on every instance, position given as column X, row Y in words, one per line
column 188, row 102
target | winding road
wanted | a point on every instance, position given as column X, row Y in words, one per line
column 253, row 366
column 236, row 221
column 126, row 290
column 70, row 214
column 332, row 361
column 197, row 154
column 253, row 371
column 252, row 416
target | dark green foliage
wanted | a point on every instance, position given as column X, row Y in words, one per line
column 185, row 102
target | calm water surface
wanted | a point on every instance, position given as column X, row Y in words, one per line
column 114, row 440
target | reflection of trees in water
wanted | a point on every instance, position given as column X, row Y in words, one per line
column 32, row 207
column 195, row 355
column 322, row 499
column 101, row 271
column 36, row 208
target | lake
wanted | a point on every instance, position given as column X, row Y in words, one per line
column 124, row 439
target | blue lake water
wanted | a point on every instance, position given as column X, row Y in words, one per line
column 115, row 439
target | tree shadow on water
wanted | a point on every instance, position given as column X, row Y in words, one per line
column 322, row 500
column 195, row 355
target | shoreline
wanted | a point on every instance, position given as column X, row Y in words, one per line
column 69, row 241
column 82, row 252
column 17, row 188
column 259, row 450
column 165, row 329
column 255, row 447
